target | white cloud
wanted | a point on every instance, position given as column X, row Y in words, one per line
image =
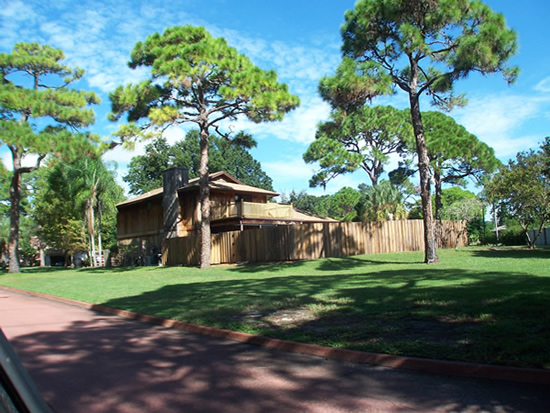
column 16, row 10
column 290, row 61
column 123, row 156
column 291, row 173
column 297, row 126
column 177, row 133
column 508, row 148
column 352, row 180
column 16, row 19
column 97, row 39
column 5, row 156
column 287, row 171
column 502, row 121
column 543, row 85
column 27, row 161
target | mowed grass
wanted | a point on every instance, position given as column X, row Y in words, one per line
column 477, row 305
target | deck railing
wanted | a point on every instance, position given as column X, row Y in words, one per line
column 250, row 210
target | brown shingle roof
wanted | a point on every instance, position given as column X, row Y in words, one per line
column 221, row 181
column 147, row 195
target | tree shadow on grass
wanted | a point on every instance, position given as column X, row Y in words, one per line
column 540, row 253
column 270, row 267
column 43, row 270
column 485, row 317
column 356, row 262
column 324, row 264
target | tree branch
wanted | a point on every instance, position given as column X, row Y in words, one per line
column 29, row 169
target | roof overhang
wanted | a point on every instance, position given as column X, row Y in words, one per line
column 219, row 181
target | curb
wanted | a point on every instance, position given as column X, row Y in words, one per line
column 439, row 367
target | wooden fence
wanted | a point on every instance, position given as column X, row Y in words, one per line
column 311, row 241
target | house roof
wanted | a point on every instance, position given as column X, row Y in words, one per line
column 220, row 181
column 303, row 216
column 147, row 195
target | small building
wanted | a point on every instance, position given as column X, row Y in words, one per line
column 174, row 211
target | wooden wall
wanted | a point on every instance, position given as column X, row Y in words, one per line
column 144, row 220
column 311, row 241
column 140, row 219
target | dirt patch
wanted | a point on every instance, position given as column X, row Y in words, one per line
column 291, row 318
column 294, row 318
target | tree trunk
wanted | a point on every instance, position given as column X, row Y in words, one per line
column 373, row 174
column 438, row 196
column 99, row 241
column 15, row 215
column 91, row 233
column 204, row 199
column 439, row 239
column 430, row 254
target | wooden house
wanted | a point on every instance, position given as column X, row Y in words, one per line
column 174, row 211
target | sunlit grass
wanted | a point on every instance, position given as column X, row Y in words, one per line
column 475, row 305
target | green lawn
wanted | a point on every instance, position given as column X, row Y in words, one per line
column 475, row 305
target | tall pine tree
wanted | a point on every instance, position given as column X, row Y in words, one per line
column 197, row 78
column 421, row 47
column 40, row 116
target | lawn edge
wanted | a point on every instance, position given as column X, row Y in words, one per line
column 431, row 366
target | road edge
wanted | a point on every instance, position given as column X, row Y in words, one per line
column 440, row 367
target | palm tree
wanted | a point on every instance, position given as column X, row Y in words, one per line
column 383, row 202
column 108, row 193
column 95, row 190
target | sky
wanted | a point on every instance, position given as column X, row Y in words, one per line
column 300, row 40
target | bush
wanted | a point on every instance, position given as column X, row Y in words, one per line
column 475, row 231
column 513, row 235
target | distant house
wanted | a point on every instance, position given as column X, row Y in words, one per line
column 174, row 210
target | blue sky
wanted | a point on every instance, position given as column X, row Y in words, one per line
column 300, row 40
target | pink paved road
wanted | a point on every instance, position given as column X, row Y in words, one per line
column 83, row 361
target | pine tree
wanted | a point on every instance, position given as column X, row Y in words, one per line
column 40, row 116
column 200, row 79
column 421, row 47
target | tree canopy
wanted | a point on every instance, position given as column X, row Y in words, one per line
column 75, row 206
column 57, row 212
column 421, row 47
column 362, row 138
column 39, row 116
column 196, row 78
column 341, row 205
column 306, row 202
column 454, row 154
column 522, row 188
column 145, row 171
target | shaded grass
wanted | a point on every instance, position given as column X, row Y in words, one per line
column 475, row 305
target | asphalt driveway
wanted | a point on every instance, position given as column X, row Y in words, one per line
column 83, row 361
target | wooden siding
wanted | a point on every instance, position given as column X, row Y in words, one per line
column 145, row 219
column 310, row 241
column 142, row 219
column 188, row 212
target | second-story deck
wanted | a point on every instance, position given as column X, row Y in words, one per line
column 244, row 209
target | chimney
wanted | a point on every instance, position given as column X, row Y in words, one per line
column 173, row 179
